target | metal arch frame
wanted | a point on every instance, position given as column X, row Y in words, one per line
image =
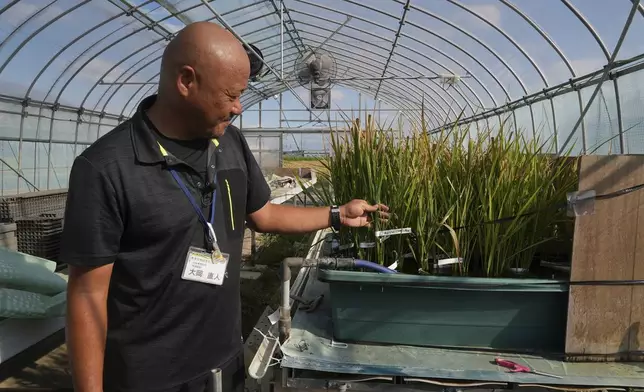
column 354, row 3
column 467, row 101
column 136, row 13
column 39, row 30
column 369, row 21
column 268, row 86
column 373, row 71
column 266, row 15
column 149, row 89
column 407, row 36
column 278, row 90
column 367, row 86
column 123, row 13
column 72, row 42
column 368, row 92
column 341, row 52
column 510, row 39
column 25, row 22
column 517, row 104
column 588, row 26
column 401, row 23
column 125, row 71
column 239, row 37
column 488, row 48
column 413, row 24
column 561, row 55
column 157, row 23
column 53, row 58
column 82, row 67
column 220, row 18
column 148, row 64
column 542, row 33
column 625, row 67
column 477, row 61
column 286, row 11
column 128, row 57
column 473, row 37
column 120, row 40
column 375, row 78
column 351, row 61
column 605, row 74
column 604, row 49
column 10, row 58
column 56, row 103
column 465, row 83
column 6, row 7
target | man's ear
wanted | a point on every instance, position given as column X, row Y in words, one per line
column 186, row 80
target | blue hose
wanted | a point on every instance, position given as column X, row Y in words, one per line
column 368, row 264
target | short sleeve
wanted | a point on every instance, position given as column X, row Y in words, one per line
column 259, row 193
column 93, row 225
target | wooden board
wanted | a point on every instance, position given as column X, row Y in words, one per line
column 604, row 322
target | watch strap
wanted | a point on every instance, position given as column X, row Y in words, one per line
column 336, row 224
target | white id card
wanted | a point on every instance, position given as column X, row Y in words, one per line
column 206, row 267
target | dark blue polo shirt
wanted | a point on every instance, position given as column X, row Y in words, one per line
column 124, row 207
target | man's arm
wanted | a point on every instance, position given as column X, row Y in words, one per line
column 266, row 217
column 89, row 245
column 285, row 219
column 87, row 324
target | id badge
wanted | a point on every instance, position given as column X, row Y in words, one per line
column 206, row 267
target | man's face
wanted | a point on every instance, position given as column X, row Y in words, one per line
column 212, row 97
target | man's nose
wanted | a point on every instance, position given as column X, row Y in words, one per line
column 237, row 108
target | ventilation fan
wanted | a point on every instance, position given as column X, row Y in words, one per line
column 315, row 67
column 256, row 63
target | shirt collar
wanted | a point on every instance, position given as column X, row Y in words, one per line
column 145, row 144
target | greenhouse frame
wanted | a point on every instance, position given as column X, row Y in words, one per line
column 478, row 165
column 72, row 70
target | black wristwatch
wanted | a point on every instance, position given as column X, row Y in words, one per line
column 335, row 218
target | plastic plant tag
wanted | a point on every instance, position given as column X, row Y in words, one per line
column 366, row 245
column 581, row 203
column 274, row 317
column 453, row 260
column 393, row 266
column 387, row 233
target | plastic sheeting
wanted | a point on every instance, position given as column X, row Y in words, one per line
column 29, row 287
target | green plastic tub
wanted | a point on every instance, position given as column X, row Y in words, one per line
column 526, row 315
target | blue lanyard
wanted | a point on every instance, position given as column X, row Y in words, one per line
column 194, row 203
column 209, row 226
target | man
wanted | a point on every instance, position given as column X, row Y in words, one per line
column 154, row 229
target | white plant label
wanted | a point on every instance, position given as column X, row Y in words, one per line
column 454, row 260
column 274, row 317
column 387, row 233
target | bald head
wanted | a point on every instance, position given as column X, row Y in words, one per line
column 204, row 70
column 204, row 46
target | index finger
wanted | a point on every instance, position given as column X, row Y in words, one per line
column 382, row 207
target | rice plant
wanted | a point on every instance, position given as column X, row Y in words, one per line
column 448, row 188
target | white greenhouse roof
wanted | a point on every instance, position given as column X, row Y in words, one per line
column 539, row 61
